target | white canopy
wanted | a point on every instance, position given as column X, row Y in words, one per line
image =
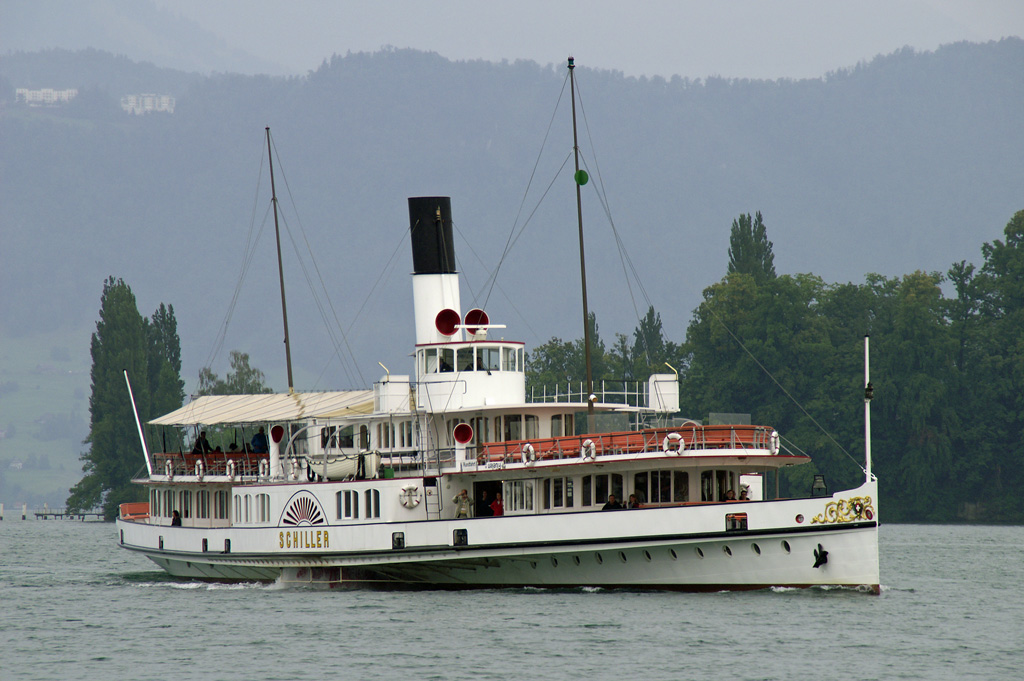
column 212, row 410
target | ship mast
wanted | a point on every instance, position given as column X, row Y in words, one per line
column 581, row 178
column 869, row 391
column 280, row 268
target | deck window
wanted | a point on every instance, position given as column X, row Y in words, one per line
column 586, row 499
column 519, row 496
column 185, row 503
column 372, row 499
column 168, row 503
column 238, row 508
column 328, row 437
column 513, row 427
column 532, row 429
column 203, row 504
column 263, row 508
column 605, row 485
column 248, row 508
column 348, row 504
column 681, row 487
column 154, row 502
column 220, row 504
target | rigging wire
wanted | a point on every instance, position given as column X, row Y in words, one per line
column 323, row 285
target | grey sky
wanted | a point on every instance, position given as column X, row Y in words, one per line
column 695, row 38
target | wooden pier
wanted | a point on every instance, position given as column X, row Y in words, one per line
column 47, row 513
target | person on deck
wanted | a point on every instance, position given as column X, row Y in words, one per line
column 612, row 505
column 633, row 502
column 497, row 506
column 176, row 519
column 202, row 445
column 730, row 495
column 483, row 505
column 259, row 442
column 463, row 504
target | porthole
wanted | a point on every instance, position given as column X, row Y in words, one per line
column 554, row 562
column 533, row 564
column 576, row 559
column 727, row 550
column 622, row 556
column 598, row 558
column 700, row 554
column 672, row 552
column 799, row 518
column 785, row 546
column 647, row 555
column 756, row 549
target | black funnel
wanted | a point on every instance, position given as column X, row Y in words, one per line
column 430, row 225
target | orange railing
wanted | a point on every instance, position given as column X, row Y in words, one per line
column 682, row 439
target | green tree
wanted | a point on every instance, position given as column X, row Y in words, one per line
column 241, row 380
column 124, row 341
column 750, row 251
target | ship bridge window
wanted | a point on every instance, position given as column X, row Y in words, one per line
column 512, row 359
column 428, row 365
column 488, row 359
column 446, row 359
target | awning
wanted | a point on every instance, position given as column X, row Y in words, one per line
column 210, row 410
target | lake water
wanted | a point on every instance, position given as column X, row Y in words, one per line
column 74, row 606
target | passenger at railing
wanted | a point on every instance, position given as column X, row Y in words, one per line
column 744, row 495
column 730, row 495
column 233, row 447
column 497, row 506
column 176, row 519
column 483, row 505
column 202, row 445
column 634, row 502
column 259, row 442
column 612, row 505
column 463, row 504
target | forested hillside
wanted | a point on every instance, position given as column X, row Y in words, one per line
column 906, row 164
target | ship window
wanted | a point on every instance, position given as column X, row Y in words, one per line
column 203, row 504
column 497, row 428
column 346, row 436
column 185, row 503
column 558, row 493
column 220, row 504
column 513, row 427
column 328, row 437
column 168, row 503
column 519, row 358
column 248, row 508
column 154, row 502
column 488, row 359
column 681, row 487
column 605, row 485
column 519, row 496
column 263, row 508
column 464, row 359
column 556, row 425
column 481, row 430
column 707, row 488
column 588, row 485
column 238, row 508
column 373, row 503
column 508, row 359
column 429, row 365
column 531, row 427
column 447, row 362
column 348, row 505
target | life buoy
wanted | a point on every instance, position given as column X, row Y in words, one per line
column 169, row 469
column 773, row 443
column 588, row 450
column 231, row 469
column 199, row 469
column 264, row 468
column 410, row 496
column 670, row 440
column 529, row 454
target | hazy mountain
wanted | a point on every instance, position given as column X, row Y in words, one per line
column 908, row 162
